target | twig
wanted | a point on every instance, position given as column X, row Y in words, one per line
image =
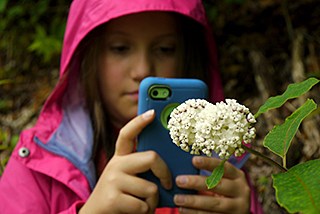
column 284, row 7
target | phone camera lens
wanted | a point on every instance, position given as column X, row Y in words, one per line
column 155, row 93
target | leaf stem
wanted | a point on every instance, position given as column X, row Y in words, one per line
column 284, row 161
column 264, row 158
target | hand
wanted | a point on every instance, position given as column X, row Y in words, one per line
column 119, row 190
column 231, row 195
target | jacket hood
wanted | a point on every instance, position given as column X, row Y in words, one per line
column 86, row 15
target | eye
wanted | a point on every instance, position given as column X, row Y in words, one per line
column 165, row 50
column 119, row 49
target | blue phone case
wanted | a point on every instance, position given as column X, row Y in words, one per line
column 156, row 136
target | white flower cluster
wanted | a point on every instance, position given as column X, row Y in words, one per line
column 202, row 126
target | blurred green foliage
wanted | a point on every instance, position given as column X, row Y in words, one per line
column 212, row 7
column 7, row 143
column 31, row 35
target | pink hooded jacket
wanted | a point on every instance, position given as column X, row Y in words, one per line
column 51, row 170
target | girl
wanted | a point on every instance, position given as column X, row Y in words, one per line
column 79, row 156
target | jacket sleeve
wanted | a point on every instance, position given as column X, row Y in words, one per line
column 23, row 190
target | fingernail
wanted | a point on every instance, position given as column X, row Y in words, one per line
column 167, row 185
column 179, row 199
column 148, row 114
column 198, row 160
column 182, row 180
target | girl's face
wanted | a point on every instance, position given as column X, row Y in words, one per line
column 136, row 46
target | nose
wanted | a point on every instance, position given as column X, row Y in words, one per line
column 142, row 66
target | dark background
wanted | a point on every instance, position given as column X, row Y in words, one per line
column 263, row 46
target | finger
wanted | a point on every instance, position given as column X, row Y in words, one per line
column 206, row 203
column 149, row 160
column 128, row 134
column 209, row 163
column 160, row 169
column 152, row 202
column 130, row 204
column 142, row 189
column 225, row 187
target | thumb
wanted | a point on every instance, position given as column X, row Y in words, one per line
column 127, row 135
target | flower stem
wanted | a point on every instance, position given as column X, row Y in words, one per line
column 264, row 158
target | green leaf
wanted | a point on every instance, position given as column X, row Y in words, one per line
column 293, row 91
column 3, row 147
column 278, row 140
column 13, row 142
column 3, row 5
column 16, row 11
column 216, row 176
column 5, row 81
column 298, row 189
column 45, row 45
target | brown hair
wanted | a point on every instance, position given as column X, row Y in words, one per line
column 90, row 49
column 195, row 54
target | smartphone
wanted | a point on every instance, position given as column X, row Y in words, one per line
column 163, row 95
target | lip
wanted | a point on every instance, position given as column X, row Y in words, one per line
column 134, row 95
